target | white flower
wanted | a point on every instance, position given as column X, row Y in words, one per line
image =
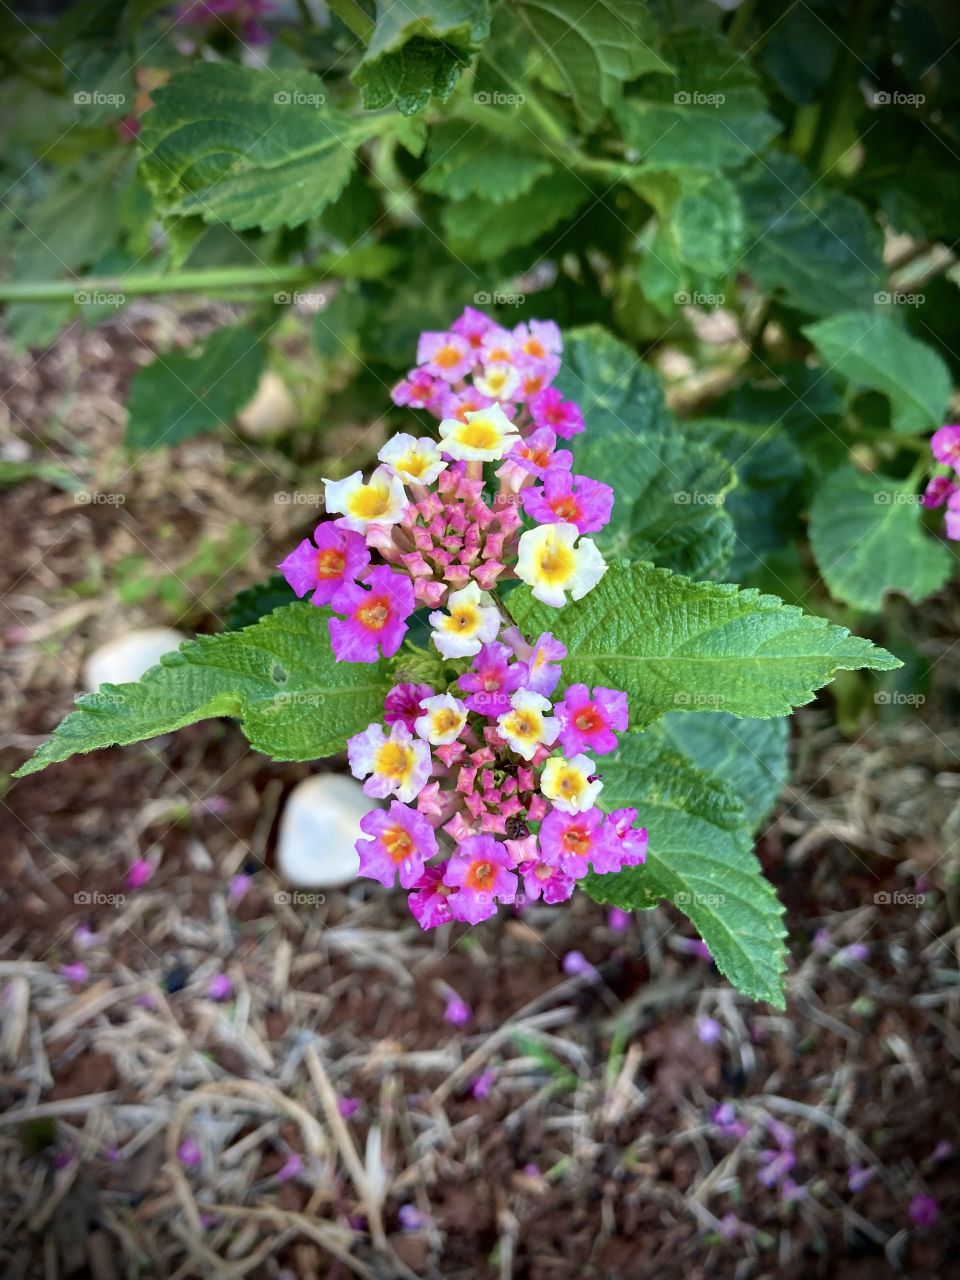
column 486, row 435
column 552, row 562
column 525, row 726
column 414, row 461
column 499, row 382
column 468, row 623
column 381, row 501
column 567, row 783
column 444, row 717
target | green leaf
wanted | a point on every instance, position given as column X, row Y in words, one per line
column 867, row 539
column 819, row 249
column 700, row 857
column 701, row 218
column 709, row 114
column 465, row 161
column 615, row 389
column 279, row 678
column 588, row 50
column 751, row 756
column 416, row 53
column 484, row 229
column 670, row 499
column 875, row 354
column 180, row 395
column 673, row 644
column 253, row 603
column 249, row 148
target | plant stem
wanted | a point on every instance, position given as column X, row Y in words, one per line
column 209, row 281
column 352, row 16
column 839, row 83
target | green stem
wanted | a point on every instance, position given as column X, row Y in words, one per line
column 352, row 16
column 839, row 83
column 209, row 281
column 741, row 20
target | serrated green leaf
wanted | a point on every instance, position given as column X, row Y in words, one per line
column 701, row 218
column 709, row 114
column 875, row 354
column 236, row 145
column 751, row 756
column 700, row 856
column 820, row 250
column 181, row 395
column 253, row 603
column 673, row 644
column 278, row 678
column 414, row 54
column 614, row 388
column 465, row 161
column 484, row 229
column 588, row 50
column 670, row 499
column 867, row 539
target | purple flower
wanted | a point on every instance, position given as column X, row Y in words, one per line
column 951, row 520
column 418, row 390
column 492, row 679
column 412, row 1218
column 474, row 326
column 458, row 1013
column 220, row 987
column 292, row 1168
column 430, row 901
column 376, row 616
column 445, row 355
column 84, row 937
column 481, row 872
column 565, row 498
column 725, row 1118
column 237, row 889
column 858, row 1176
column 542, row 666
column 348, row 1107
column 855, row 953
column 540, row 880
column 708, row 1030
column 393, row 764
column 538, row 454
column 590, row 722
column 938, row 490
column 633, row 840
column 401, row 841
column 188, row 1153
column 618, row 920
column 138, row 874
column 924, row 1210
column 334, row 559
column 776, row 1166
column 942, row 1151
column 576, row 965
column 549, row 409
column 483, row 1083
column 402, row 703
column 572, row 840
column 945, row 445
column 76, row 973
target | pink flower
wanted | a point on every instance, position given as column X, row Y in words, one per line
column 576, row 965
column 535, row 376
column 138, row 873
column 633, row 840
column 237, row 889
column 474, row 326
column 938, row 490
column 430, row 901
column 538, row 339
column 945, row 445
column 402, row 703
column 483, row 1083
column 348, row 1106
column 618, row 920
column 708, row 1030
column 458, row 1013
column 376, row 616
column 549, row 409
column 497, row 347
column 481, row 872
column 334, row 558
column 538, row 453
column 572, row 840
column 540, row 880
column 418, row 390
column 292, row 1168
column 542, row 667
column 188, row 1153
column 445, row 355
column 924, row 1210
column 220, row 987
column 776, row 1166
column 75, row 973
column 491, row 680
column 952, row 517
column 591, row 723
column 401, row 841
column 397, row 764
column 568, row 499
column 457, row 404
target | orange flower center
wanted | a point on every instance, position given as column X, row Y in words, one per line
column 539, row 457
column 447, row 357
column 330, row 563
column 534, row 347
column 374, row 615
column 480, row 876
column 588, row 720
column 566, row 508
column 397, row 843
column 576, row 840
column 533, row 384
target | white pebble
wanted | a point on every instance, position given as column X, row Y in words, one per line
column 319, row 827
column 126, row 657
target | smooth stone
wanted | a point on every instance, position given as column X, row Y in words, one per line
column 271, row 411
column 319, row 827
column 125, row 658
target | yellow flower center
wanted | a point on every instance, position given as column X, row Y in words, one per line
column 370, row 501
column 556, row 562
column 463, row 619
column 445, row 720
column 396, row 841
column 414, row 464
column 480, row 875
column 480, row 434
column 394, row 761
column 330, row 563
column 523, row 725
column 570, row 784
column 374, row 615
column 576, row 840
column 534, row 347
column 447, row 357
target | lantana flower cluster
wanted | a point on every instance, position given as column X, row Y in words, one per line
column 945, row 486
column 488, row 770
